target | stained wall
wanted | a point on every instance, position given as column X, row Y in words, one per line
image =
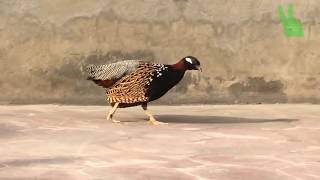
column 245, row 55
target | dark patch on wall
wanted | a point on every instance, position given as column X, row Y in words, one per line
column 181, row 4
column 187, row 80
column 180, row 1
column 258, row 90
column 311, row 79
column 311, row 16
column 209, row 86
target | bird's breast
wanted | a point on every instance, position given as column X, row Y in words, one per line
column 162, row 81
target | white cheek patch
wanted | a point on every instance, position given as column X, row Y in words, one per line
column 189, row 60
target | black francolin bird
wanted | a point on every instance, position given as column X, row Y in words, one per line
column 134, row 82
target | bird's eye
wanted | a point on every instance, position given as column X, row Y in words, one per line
column 189, row 60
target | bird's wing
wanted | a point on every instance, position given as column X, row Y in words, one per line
column 132, row 87
column 106, row 75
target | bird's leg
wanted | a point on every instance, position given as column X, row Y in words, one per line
column 151, row 118
column 111, row 112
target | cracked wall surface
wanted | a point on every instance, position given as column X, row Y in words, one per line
column 245, row 55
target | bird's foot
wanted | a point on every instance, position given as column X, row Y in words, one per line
column 115, row 121
column 155, row 122
column 109, row 118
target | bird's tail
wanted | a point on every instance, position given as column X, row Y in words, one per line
column 91, row 70
column 112, row 70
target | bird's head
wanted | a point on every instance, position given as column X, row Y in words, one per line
column 191, row 63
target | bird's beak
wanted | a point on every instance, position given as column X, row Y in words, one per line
column 199, row 68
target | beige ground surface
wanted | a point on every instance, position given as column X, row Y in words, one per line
column 223, row 142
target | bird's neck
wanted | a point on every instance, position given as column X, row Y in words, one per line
column 180, row 66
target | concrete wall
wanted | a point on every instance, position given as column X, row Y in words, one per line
column 246, row 57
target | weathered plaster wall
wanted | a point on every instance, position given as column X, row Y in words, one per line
column 245, row 55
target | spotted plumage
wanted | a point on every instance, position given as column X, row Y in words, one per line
column 133, row 82
column 111, row 71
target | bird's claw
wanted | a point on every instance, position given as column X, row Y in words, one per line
column 109, row 118
column 115, row 121
column 155, row 122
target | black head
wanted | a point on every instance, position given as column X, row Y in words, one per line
column 191, row 63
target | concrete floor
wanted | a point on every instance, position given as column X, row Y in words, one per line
column 223, row 142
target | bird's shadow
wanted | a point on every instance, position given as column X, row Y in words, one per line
column 216, row 119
